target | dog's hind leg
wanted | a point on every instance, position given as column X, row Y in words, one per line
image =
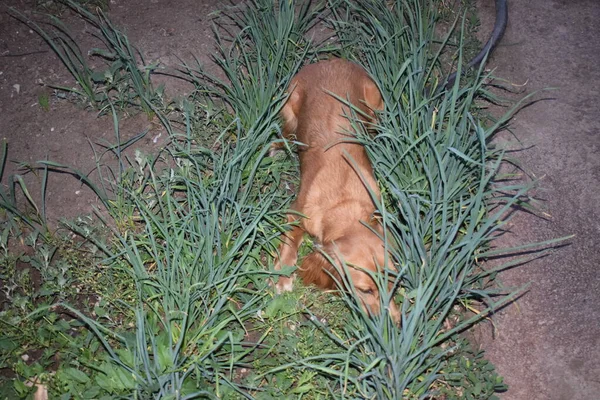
column 289, row 114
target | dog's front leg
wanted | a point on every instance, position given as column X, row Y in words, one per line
column 288, row 254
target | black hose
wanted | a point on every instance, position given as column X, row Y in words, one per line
column 499, row 28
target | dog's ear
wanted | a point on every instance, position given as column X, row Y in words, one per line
column 372, row 96
column 290, row 110
column 319, row 270
column 314, row 270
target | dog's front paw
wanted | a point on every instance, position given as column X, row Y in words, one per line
column 284, row 284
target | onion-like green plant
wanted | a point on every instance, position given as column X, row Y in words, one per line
column 267, row 47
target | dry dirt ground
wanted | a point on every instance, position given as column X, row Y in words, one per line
column 164, row 31
column 547, row 345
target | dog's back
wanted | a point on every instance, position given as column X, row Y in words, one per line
column 317, row 114
column 332, row 193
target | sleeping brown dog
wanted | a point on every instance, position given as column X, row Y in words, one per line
column 333, row 198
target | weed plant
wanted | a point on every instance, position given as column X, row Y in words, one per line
column 41, row 267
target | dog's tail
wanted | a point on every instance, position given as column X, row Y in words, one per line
column 497, row 33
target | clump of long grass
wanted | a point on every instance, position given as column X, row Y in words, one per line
column 257, row 54
column 196, row 258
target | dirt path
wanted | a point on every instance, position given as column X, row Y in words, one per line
column 548, row 345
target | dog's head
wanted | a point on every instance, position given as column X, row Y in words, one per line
column 364, row 257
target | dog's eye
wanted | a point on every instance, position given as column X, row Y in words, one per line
column 366, row 291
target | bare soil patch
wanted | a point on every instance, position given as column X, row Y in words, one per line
column 63, row 131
